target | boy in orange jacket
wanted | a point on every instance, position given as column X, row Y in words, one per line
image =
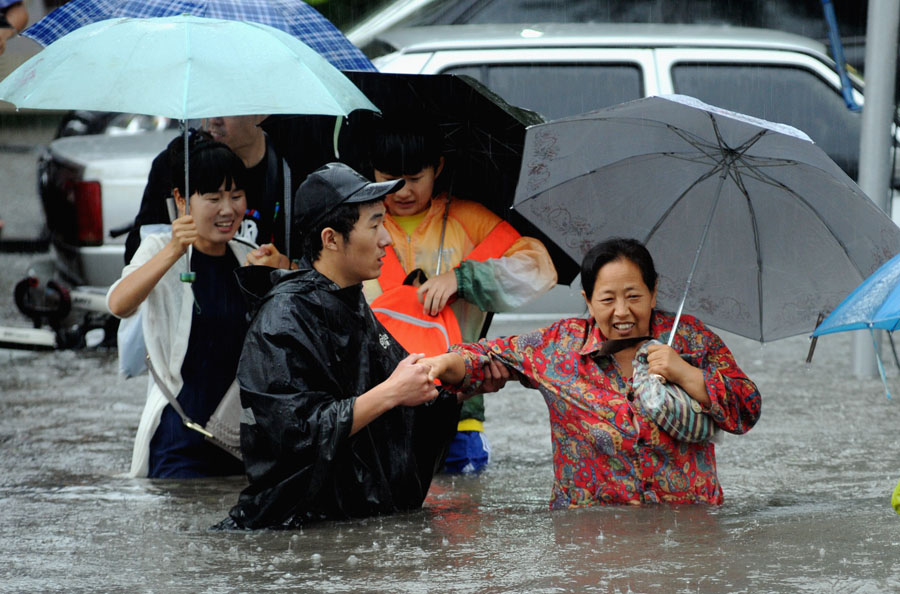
column 474, row 262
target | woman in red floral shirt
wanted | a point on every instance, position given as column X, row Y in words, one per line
column 604, row 449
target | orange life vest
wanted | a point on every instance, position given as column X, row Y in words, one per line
column 398, row 308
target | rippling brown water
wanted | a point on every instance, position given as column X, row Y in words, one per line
column 806, row 502
column 807, row 498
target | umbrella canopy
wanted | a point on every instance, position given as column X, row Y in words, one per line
column 752, row 227
column 291, row 16
column 873, row 304
column 483, row 139
column 182, row 67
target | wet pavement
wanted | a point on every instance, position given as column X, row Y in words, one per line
column 807, row 497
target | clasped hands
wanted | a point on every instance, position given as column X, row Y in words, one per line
column 450, row 369
column 413, row 378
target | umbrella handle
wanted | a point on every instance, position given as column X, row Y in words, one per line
column 443, row 231
column 188, row 276
column 814, row 340
column 337, row 132
column 887, row 391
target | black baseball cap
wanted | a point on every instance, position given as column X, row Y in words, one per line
column 330, row 186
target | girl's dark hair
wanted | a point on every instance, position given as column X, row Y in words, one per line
column 342, row 219
column 211, row 163
column 406, row 148
column 617, row 248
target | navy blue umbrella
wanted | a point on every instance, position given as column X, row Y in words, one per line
column 291, row 16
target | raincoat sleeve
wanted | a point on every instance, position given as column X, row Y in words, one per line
column 524, row 272
column 290, row 432
column 735, row 400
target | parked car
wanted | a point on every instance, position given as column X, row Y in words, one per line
column 83, row 122
column 564, row 69
column 90, row 186
column 802, row 18
column 554, row 69
column 561, row 70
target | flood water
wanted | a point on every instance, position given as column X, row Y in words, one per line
column 807, row 500
column 807, row 492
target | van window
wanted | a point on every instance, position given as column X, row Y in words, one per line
column 558, row 90
column 784, row 94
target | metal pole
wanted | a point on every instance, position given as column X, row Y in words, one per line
column 875, row 142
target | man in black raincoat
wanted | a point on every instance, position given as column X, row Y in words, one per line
column 338, row 420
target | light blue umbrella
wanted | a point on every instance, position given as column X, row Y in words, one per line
column 182, row 67
column 874, row 304
column 291, row 16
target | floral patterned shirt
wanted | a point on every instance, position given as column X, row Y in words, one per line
column 604, row 450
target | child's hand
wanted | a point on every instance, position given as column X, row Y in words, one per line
column 435, row 293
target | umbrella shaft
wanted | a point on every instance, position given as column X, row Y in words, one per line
column 187, row 193
column 687, row 286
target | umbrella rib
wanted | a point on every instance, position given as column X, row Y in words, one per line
column 809, row 205
column 728, row 159
column 662, row 218
column 723, row 158
column 710, row 150
column 735, row 174
column 753, row 169
column 187, row 73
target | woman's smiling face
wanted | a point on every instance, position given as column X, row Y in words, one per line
column 621, row 303
column 218, row 217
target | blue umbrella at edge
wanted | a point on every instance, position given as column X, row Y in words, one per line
column 874, row 304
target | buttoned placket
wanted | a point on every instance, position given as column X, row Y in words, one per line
column 640, row 450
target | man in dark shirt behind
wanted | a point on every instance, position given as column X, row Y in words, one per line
column 264, row 222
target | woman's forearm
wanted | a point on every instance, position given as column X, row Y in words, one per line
column 133, row 289
column 694, row 383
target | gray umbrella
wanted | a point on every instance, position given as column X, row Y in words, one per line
column 752, row 227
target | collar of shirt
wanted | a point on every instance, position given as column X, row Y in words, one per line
column 595, row 342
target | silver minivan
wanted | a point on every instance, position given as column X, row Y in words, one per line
column 560, row 70
column 565, row 69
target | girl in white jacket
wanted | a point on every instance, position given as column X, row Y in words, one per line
column 193, row 331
